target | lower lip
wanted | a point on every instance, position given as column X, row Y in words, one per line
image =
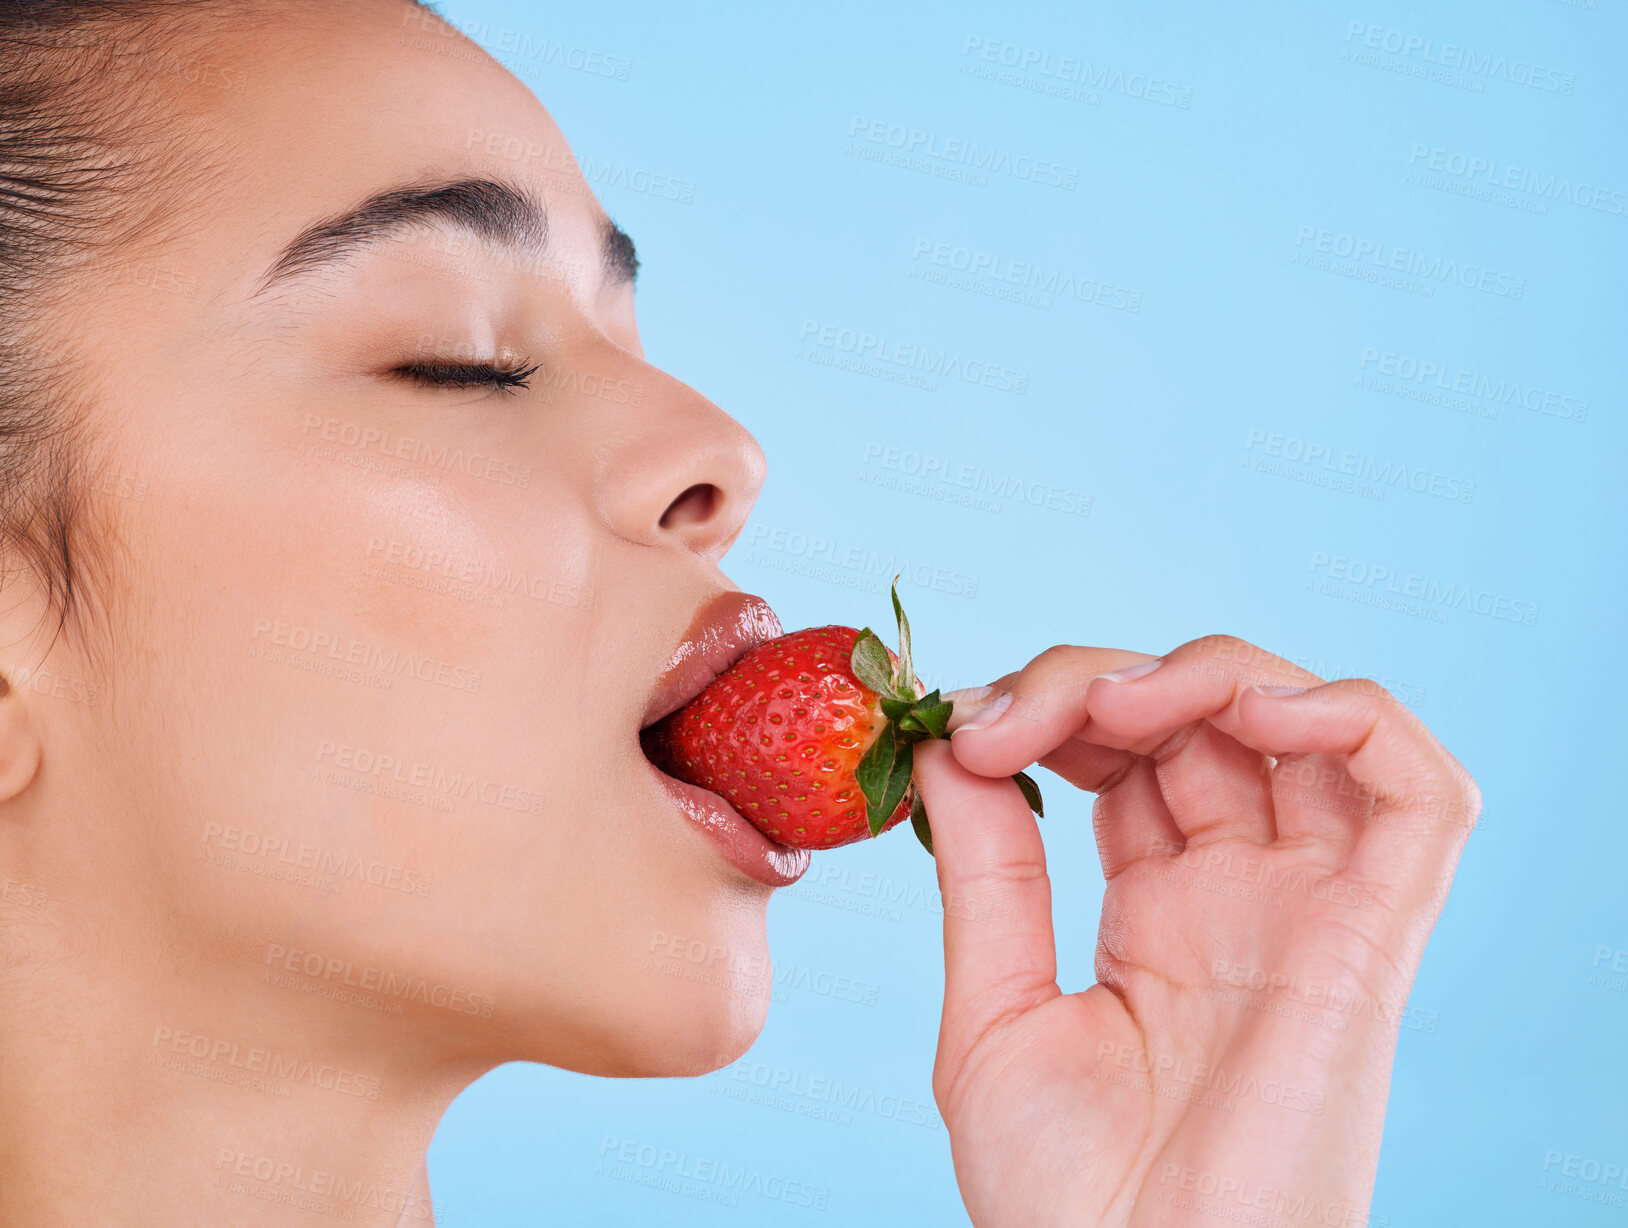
column 744, row 846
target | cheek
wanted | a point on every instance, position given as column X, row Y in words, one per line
column 413, row 675
column 411, row 587
column 365, row 659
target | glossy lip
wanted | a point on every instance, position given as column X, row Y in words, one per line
column 725, row 627
column 751, row 852
column 722, row 631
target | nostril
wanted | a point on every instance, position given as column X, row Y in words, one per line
column 697, row 505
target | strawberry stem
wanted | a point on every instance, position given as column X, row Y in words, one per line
column 885, row 772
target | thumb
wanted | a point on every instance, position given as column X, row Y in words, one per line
column 1000, row 957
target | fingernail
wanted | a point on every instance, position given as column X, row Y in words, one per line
column 988, row 714
column 969, row 695
column 1276, row 691
column 1132, row 672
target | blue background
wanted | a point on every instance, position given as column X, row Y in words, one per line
column 1182, row 402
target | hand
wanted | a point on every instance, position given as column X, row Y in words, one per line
column 1274, row 865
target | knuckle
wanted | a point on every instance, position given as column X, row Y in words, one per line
column 1372, row 691
column 1365, row 696
column 1232, row 654
column 1219, row 647
column 943, row 1085
column 1014, row 873
column 1468, row 793
column 1059, row 658
column 1054, row 681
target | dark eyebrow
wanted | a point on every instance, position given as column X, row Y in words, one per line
column 621, row 260
column 499, row 212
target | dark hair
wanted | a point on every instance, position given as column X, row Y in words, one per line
column 85, row 138
column 73, row 163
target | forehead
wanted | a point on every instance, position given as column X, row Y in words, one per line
column 328, row 104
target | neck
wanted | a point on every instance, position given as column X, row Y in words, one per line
column 185, row 1100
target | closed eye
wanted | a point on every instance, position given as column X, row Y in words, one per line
column 468, row 375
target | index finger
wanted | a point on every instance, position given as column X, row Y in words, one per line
column 1020, row 717
column 1046, row 702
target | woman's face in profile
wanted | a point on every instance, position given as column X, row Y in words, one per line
column 406, row 615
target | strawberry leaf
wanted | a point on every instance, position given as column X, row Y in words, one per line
column 895, row 709
column 1031, row 793
column 870, row 663
column 933, row 717
column 918, row 821
column 907, row 671
column 876, row 768
column 898, row 782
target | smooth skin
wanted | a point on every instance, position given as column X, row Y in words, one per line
column 1276, row 849
column 195, row 1019
column 349, row 807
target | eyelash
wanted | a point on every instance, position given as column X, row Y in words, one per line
column 469, row 375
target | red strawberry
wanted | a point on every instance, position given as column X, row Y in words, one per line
column 810, row 736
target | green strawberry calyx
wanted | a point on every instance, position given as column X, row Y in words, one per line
column 885, row 771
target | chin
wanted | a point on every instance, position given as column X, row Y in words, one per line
column 637, row 1008
column 721, row 1039
column 699, row 1014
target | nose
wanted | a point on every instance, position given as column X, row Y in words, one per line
column 679, row 471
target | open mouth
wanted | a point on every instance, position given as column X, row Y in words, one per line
column 723, row 630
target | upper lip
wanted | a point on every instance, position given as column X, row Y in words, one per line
column 724, row 628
